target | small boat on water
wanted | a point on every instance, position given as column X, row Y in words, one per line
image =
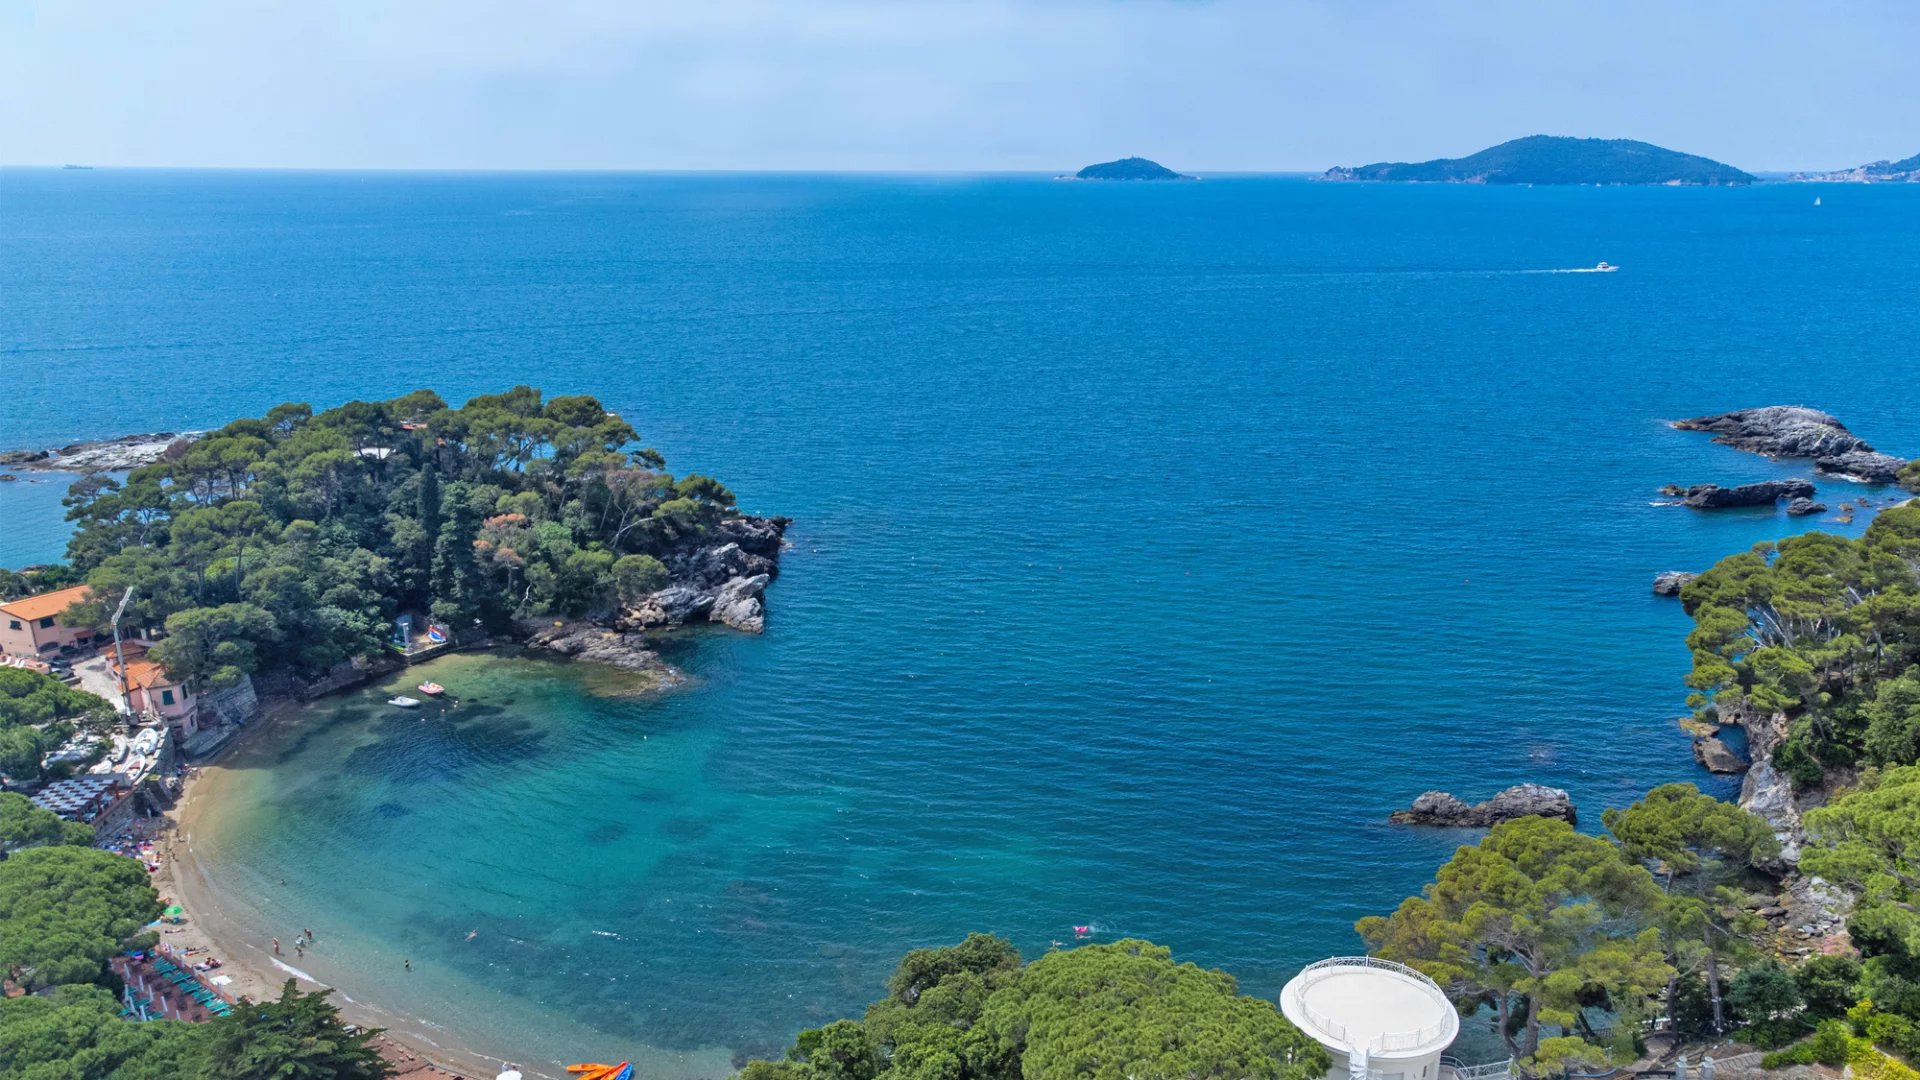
column 404, row 702
column 1604, row 267
column 432, row 689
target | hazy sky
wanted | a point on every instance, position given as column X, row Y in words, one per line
column 944, row 84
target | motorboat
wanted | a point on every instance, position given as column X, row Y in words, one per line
column 431, row 688
column 1604, row 267
column 404, row 702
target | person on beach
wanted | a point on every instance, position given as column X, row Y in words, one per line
column 409, row 963
column 276, row 946
column 299, row 950
column 309, row 934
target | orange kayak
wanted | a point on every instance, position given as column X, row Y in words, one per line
column 622, row 1071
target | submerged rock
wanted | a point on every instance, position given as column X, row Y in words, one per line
column 1717, row 756
column 1671, row 582
column 1779, row 431
column 1803, row 506
column 1764, row 493
column 1521, row 800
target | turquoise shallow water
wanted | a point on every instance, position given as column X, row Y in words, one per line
column 1151, row 544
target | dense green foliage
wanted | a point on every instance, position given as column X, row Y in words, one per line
column 1552, row 159
column 1110, row 1012
column 76, row 1033
column 24, row 825
column 1869, row 840
column 1698, row 847
column 1536, row 922
column 65, row 911
column 1823, row 629
column 299, row 1035
column 1909, row 475
column 38, row 713
column 291, row 540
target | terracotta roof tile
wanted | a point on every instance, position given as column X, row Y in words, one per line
column 41, row 605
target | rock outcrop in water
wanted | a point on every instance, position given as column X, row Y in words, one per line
column 720, row 581
column 1521, row 800
column 1866, row 466
column 1764, row 493
column 1803, row 507
column 1671, row 582
column 1799, row 432
column 603, row 645
column 1716, row 756
column 123, row 454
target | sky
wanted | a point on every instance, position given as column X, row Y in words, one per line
column 944, row 85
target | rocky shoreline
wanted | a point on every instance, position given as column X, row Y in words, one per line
column 722, row 580
column 123, row 454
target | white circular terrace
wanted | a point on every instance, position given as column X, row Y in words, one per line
column 1360, row 1003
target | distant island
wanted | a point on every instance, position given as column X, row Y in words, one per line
column 1904, row 171
column 1554, row 159
column 1129, row 168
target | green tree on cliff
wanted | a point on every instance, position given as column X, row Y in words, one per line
column 1535, row 922
column 1869, row 841
column 1697, row 846
column 1814, row 628
column 973, row 1012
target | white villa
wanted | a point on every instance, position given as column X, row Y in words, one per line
column 1380, row 1021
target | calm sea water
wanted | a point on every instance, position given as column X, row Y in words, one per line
column 1151, row 544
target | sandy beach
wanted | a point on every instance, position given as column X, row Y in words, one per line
column 256, row 972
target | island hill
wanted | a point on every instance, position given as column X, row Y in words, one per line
column 1554, row 159
column 1128, row 168
column 293, row 543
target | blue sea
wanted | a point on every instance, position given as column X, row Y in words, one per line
column 1151, row 544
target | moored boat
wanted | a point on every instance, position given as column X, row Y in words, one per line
column 432, row 689
column 404, row 702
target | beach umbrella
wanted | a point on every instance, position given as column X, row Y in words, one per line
column 174, row 909
column 509, row 1074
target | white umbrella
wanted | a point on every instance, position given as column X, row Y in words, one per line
column 509, row 1074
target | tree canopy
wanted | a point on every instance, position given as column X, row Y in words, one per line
column 1823, row 629
column 1112, row 1011
column 65, row 912
column 1536, row 921
column 77, row 1033
column 1697, row 846
column 291, row 540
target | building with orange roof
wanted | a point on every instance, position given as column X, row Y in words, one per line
column 151, row 690
column 34, row 626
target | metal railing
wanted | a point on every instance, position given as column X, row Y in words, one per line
column 1387, row 1042
column 1492, row 1070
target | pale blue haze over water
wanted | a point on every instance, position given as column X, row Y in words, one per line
column 1151, row 543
